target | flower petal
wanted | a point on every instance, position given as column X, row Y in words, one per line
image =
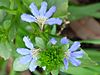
column 75, row 46
column 28, row 43
column 74, row 61
column 23, row 51
column 52, row 21
column 34, row 9
column 66, row 63
column 50, row 11
column 25, row 59
column 32, row 65
column 28, row 18
column 53, row 41
column 64, row 40
column 78, row 54
column 43, row 8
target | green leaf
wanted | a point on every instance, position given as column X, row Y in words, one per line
column 10, row 11
column 5, row 50
column 78, row 12
column 39, row 42
column 54, row 72
column 65, row 47
column 96, row 41
column 86, row 61
column 12, row 33
column 81, row 71
column 17, row 66
column 53, row 32
column 28, row 2
column 94, row 54
column 4, row 3
column 2, row 15
column 61, row 5
column 7, row 24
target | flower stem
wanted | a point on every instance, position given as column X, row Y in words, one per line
column 42, row 27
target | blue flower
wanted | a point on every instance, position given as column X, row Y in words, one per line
column 63, row 40
column 41, row 16
column 72, row 54
column 29, row 54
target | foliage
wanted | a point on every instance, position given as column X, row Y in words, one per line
column 13, row 29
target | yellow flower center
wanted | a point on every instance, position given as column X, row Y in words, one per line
column 35, row 52
column 41, row 20
column 67, row 54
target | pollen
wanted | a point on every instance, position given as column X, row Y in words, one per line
column 67, row 54
column 41, row 20
column 35, row 52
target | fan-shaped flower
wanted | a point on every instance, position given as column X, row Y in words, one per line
column 72, row 54
column 41, row 16
column 29, row 54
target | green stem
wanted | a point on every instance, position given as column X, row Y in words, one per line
column 11, row 4
column 3, row 69
column 12, row 72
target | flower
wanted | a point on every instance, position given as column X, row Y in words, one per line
column 41, row 16
column 72, row 54
column 29, row 54
column 63, row 40
column 53, row 41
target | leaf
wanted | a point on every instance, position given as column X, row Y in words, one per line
column 28, row 2
column 94, row 54
column 2, row 15
column 53, row 32
column 65, row 47
column 81, row 71
column 54, row 72
column 39, row 42
column 5, row 50
column 61, row 5
column 4, row 3
column 10, row 11
column 78, row 12
column 17, row 66
column 96, row 41
column 6, row 24
column 86, row 61
column 12, row 33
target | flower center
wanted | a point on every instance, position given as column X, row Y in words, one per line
column 35, row 52
column 41, row 21
column 67, row 54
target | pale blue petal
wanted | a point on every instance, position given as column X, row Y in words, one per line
column 43, row 8
column 66, row 63
column 28, row 18
column 75, row 46
column 28, row 43
column 32, row 65
column 53, row 41
column 64, row 40
column 78, row 54
column 23, row 51
column 52, row 21
column 25, row 59
column 50, row 12
column 34, row 9
column 74, row 61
